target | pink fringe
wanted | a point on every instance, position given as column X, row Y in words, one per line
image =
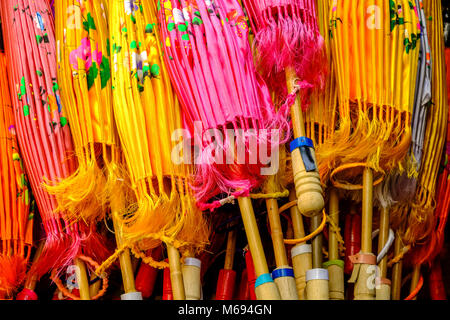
column 287, row 35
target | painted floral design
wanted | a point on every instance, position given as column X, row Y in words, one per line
column 95, row 63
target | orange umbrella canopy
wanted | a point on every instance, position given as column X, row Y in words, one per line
column 16, row 222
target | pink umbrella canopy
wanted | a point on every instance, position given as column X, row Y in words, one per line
column 287, row 35
column 42, row 129
column 211, row 66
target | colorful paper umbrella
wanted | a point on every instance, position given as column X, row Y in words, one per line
column 290, row 56
column 147, row 113
column 16, row 222
column 376, row 62
column 84, row 78
column 210, row 64
column 418, row 221
column 43, row 134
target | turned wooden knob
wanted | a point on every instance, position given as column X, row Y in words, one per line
column 307, row 187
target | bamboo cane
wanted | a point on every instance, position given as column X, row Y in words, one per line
column 176, row 275
column 335, row 265
column 82, row 280
column 283, row 274
column 363, row 271
column 301, row 253
column 397, row 269
column 415, row 279
column 94, row 288
column 383, row 289
column 265, row 288
column 126, row 267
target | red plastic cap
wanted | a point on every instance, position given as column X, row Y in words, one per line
column 167, row 286
column 225, row 285
column 146, row 277
column 27, row 294
column 244, row 293
column 437, row 288
column 352, row 239
column 145, row 280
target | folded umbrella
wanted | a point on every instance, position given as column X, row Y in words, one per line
column 41, row 125
column 16, row 220
column 209, row 60
column 161, row 207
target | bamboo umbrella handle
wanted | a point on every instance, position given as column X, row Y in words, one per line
column 307, row 182
column 365, row 261
column 335, row 266
column 301, row 253
column 383, row 289
column 317, row 286
column 126, row 267
column 227, row 276
column 191, row 270
column 82, row 279
column 397, row 269
column 415, row 279
column 283, row 275
column 95, row 287
column 30, row 283
column 265, row 288
column 231, row 250
column 176, row 275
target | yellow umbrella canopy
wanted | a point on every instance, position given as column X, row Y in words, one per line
column 321, row 118
column 415, row 219
column 85, row 82
column 147, row 113
column 375, row 48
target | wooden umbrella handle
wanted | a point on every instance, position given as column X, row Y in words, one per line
column 265, row 288
column 364, row 291
column 95, row 287
column 176, row 275
column 126, row 267
column 397, row 269
column 282, row 275
column 231, row 250
column 335, row 265
column 317, row 278
column 301, row 253
column 82, row 279
column 307, row 184
column 415, row 279
column 383, row 290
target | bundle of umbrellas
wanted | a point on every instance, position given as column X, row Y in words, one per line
column 141, row 136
